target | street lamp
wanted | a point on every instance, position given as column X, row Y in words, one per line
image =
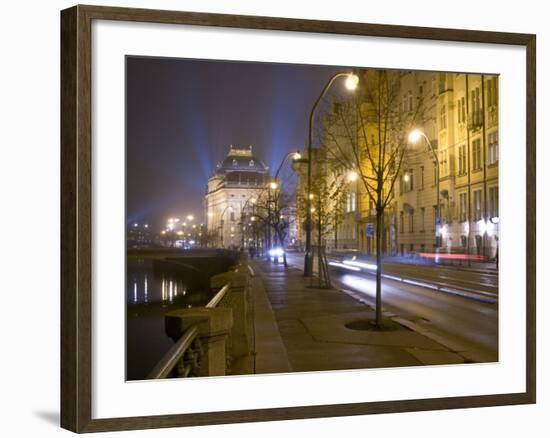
column 352, row 81
column 352, row 176
column 414, row 136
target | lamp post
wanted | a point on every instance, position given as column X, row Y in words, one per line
column 414, row 136
column 272, row 186
column 351, row 84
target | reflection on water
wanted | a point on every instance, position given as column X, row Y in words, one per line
column 149, row 296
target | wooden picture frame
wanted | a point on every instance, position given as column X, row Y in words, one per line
column 76, row 217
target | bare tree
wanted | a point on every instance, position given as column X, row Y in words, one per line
column 368, row 134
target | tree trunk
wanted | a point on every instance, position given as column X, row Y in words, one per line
column 379, row 218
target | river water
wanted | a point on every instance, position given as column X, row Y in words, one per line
column 149, row 295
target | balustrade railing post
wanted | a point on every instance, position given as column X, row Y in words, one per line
column 214, row 326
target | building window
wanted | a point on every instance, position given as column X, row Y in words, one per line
column 410, row 101
column 443, row 117
column 492, row 92
column 493, row 201
column 234, row 162
column 251, row 163
column 411, row 222
column 443, row 162
column 462, row 159
column 434, row 171
column 476, row 108
column 461, row 110
column 434, row 85
column 407, row 181
column 422, row 218
column 353, row 202
column 401, row 222
column 493, row 147
column 476, row 154
column 477, row 205
column 463, row 206
column 421, row 177
column 232, row 216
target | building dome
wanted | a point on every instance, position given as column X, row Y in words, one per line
column 241, row 160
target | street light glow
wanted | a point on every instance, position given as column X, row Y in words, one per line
column 297, row 155
column 190, row 217
column 273, row 185
column 406, row 177
column 415, row 135
column 352, row 176
column 352, row 81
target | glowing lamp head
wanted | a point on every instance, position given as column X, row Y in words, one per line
column 296, row 155
column 190, row 217
column 352, row 176
column 253, row 200
column 273, row 185
column 406, row 177
column 415, row 135
column 352, row 81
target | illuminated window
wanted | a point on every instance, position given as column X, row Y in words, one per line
column 462, row 159
column 493, row 147
column 477, row 205
column 476, row 152
column 463, row 206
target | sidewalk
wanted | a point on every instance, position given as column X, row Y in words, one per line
column 312, row 333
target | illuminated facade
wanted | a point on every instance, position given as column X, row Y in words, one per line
column 460, row 123
column 462, row 127
column 237, row 180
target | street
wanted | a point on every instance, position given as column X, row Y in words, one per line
column 466, row 325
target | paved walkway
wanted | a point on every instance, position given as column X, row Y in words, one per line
column 302, row 328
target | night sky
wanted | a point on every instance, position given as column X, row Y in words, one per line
column 182, row 115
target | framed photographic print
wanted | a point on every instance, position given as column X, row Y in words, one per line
column 268, row 218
